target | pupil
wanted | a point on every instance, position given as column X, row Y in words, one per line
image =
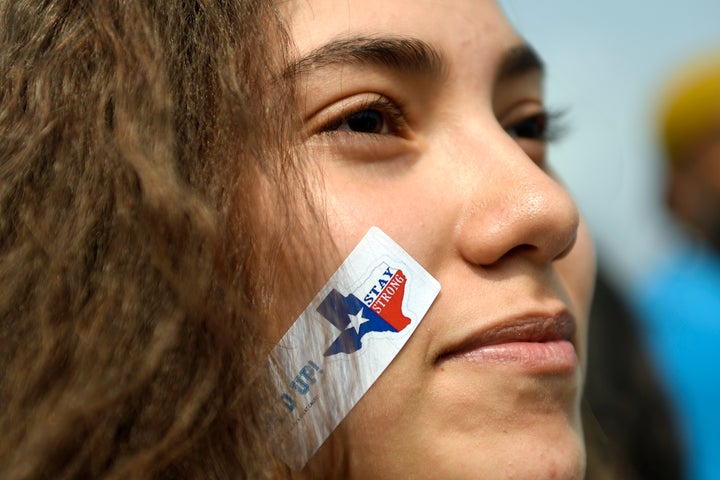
column 367, row 121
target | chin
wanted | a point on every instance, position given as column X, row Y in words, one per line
column 541, row 453
column 552, row 449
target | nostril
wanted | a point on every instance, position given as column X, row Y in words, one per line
column 549, row 248
column 521, row 249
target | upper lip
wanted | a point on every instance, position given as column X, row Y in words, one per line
column 526, row 328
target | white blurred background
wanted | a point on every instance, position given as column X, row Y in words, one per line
column 607, row 63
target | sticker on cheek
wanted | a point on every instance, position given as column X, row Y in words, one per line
column 343, row 341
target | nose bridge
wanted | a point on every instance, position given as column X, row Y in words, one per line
column 512, row 207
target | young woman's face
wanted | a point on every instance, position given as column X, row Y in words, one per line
column 427, row 120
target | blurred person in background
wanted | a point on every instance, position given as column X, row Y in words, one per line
column 680, row 302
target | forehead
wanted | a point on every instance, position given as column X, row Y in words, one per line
column 462, row 30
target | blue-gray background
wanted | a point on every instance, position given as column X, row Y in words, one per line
column 607, row 63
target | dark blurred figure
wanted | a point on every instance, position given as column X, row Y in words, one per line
column 679, row 304
column 630, row 429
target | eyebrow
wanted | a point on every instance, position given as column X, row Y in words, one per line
column 396, row 53
column 406, row 54
column 519, row 60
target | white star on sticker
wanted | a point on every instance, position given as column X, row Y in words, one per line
column 357, row 320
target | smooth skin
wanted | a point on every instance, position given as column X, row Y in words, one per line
column 445, row 152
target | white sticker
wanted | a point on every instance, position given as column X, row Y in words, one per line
column 343, row 341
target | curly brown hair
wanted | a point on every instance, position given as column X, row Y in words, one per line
column 132, row 139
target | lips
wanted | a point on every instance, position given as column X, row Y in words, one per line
column 539, row 342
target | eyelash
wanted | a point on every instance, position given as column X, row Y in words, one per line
column 548, row 125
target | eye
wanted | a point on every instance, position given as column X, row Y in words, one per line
column 379, row 116
column 533, row 127
column 540, row 127
column 364, row 128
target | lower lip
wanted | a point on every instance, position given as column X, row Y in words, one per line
column 553, row 356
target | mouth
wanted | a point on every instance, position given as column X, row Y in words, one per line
column 543, row 344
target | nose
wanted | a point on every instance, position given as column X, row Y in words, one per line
column 515, row 208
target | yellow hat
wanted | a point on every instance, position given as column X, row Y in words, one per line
column 692, row 109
